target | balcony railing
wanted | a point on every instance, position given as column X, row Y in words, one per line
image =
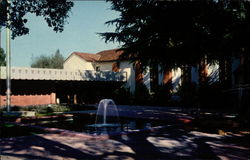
column 104, row 76
column 20, row 73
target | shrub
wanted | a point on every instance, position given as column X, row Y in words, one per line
column 41, row 108
column 122, row 96
column 141, row 96
column 189, row 94
column 211, row 96
column 162, row 94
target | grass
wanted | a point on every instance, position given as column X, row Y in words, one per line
column 46, row 114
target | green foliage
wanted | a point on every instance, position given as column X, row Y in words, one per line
column 162, row 94
column 41, row 109
column 181, row 33
column 141, row 95
column 173, row 33
column 54, row 13
column 122, row 95
column 189, row 94
column 2, row 58
column 10, row 130
column 41, row 62
column 54, row 61
column 57, row 60
column 212, row 96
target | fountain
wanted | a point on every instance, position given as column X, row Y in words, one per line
column 107, row 118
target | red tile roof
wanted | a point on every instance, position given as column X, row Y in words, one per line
column 103, row 56
column 88, row 56
column 109, row 55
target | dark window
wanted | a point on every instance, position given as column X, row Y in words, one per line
column 97, row 68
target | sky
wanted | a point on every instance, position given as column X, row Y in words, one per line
column 86, row 19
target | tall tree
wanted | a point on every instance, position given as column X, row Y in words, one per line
column 159, row 32
column 174, row 33
column 2, row 58
column 54, row 12
column 57, row 60
column 54, row 61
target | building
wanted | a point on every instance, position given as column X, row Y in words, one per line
column 108, row 60
column 38, row 86
column 95, row 76
column 101, row 62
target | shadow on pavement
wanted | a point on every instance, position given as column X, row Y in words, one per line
column 171, row 143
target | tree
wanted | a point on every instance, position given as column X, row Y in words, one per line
column 57, row 60
column 54, row 61
column 2, row 58
column 176, row 34
column 147, row 39
column 183, row 34
column 54, row 12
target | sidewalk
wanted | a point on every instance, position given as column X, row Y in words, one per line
column 163, row 144
column 172, row 143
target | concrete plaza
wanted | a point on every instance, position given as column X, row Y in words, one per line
column 172, row 142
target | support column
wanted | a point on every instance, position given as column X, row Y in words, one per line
column 167, row 76
column 186, row 74
column 115, row 67
column 138, row 73
column 68, row 98
column 203, row 71
column 8, row 65
column 75, row 99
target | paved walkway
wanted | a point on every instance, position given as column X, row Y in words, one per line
column 168, row 143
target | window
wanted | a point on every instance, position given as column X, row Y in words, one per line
column 97, row 68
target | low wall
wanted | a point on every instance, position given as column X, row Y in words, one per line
column 26, row 100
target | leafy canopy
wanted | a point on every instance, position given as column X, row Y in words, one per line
column 54, row 12
column 54, row 61
column 2, row 58
column 179, row 33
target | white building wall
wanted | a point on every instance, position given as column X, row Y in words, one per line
column 125, row 66
column 25, row 73
column 104, row 66
column 146, row 79
column 176, row 79
column 213, row 72
column 129, row 69
column 74, row 62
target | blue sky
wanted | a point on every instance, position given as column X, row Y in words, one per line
column 86, row 19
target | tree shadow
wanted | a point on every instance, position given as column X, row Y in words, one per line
column 37, row 147
column 169, row 143
column 180, row 144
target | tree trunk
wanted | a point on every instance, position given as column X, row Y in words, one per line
column 225, row 72
column 186, row 74
column 154, row 76
column 203, row 72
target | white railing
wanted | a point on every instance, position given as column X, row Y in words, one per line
column 104, row 76
column 21, row 73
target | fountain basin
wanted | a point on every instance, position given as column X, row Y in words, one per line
column 104, row 125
